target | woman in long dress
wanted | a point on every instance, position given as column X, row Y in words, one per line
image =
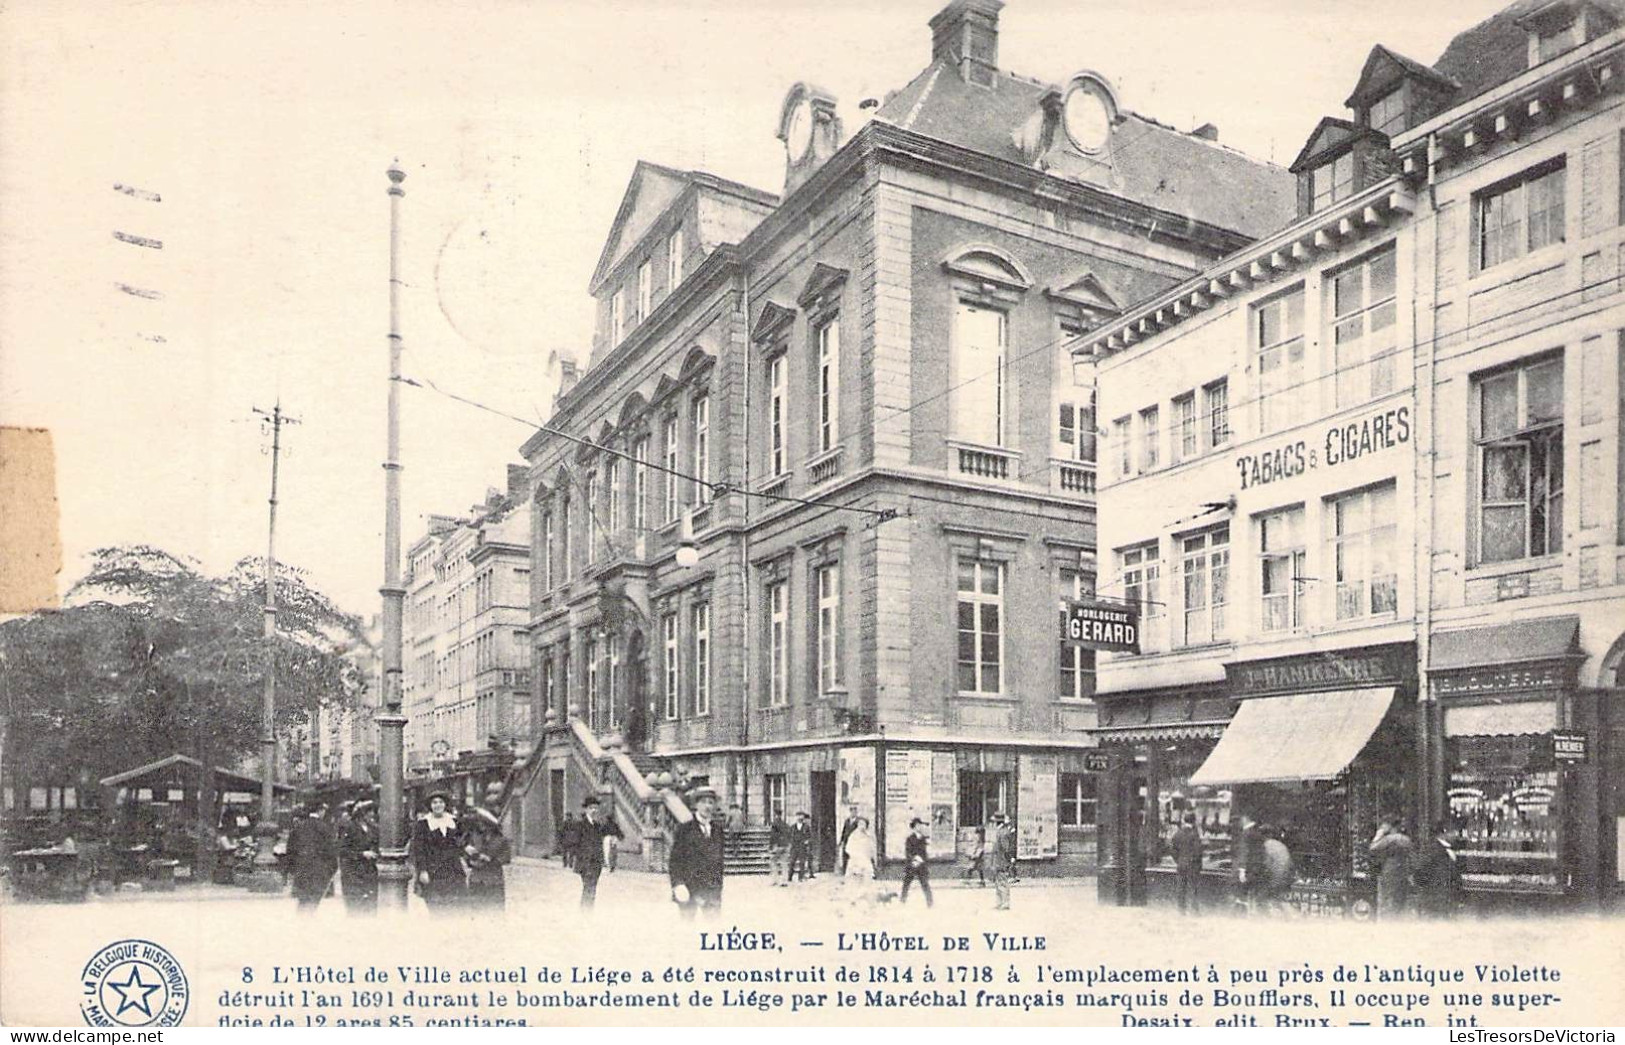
column 437, row 855
column 486, row 850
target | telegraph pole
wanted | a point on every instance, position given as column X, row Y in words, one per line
column 394, row 877
column 265, row 859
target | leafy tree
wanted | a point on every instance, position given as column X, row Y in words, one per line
column 151, row 656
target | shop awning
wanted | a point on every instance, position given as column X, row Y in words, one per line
column 1305, row 736
column 1518, row 642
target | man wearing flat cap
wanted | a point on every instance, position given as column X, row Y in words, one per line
column 588, row 860
column 696, row 858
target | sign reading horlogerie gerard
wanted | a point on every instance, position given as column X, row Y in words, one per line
column 1102, row 626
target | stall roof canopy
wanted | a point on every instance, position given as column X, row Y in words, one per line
column 226, row 780
column 1305, row 736
column 1548, row 638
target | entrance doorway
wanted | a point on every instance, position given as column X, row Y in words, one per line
column 824, row 819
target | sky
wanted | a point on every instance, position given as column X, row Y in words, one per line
column 264, row 130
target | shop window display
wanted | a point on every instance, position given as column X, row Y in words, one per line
column 1176, row 796
column 1505, row 812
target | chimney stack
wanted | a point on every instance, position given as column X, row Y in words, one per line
column 517, row 476
column 966, row 33
column 1207, row 132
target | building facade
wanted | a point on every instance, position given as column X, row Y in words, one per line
column 1338, row 517
column 803, row 527
column 466, row 688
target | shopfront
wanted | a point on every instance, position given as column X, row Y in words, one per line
column 1517, row 762
column 1318, row 749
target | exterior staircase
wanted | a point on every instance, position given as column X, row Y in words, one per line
column 746, row 851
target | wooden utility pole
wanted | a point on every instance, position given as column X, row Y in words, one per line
column 266, row 831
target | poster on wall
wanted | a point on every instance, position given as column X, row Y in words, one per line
column 855, row 784
column 920, row 784
column 1038, row 819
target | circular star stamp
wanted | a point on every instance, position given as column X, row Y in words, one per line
column 133, row 983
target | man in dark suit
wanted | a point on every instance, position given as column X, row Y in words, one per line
column 588, row 858
column 801, row 848
column 696, row 858
column 1187, row 847
column 313, row 854
column 915, row 866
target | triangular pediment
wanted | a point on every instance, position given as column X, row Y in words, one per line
column 1088, row 291
column 824, row 281
column 1384, row 70
column 1329, row 135
column 771, row 323
column 651, row 190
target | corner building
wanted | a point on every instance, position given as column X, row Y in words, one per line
column 1333, row 492
column 886, row 460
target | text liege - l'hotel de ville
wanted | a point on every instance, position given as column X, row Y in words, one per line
column 1342, row 437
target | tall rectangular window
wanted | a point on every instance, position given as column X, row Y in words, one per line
column 566, row 527
column 1123, row 446
column 1077, row 664
column 640, row 484
column 777, row 387
column 1077, row 800
column 593, row 522
column 702, row 450
column 1142, row 587
column 980, row 618
column 1278, row 345
column 1075, row 430
column 544, row 681
column 674, row 260
column 669, row 446
column 547, row 552
column 1521, row 216
column 1333, row 181
column 1361, row 306
column 668, row 675
column 1185, row 445
column 594, row 697
column 1362, row 531
column 612, row 496
column 977, row 375
column 646, row 290
column 1216, row 410
column 1281, row 559
column 1205, row 566
column 829, row 384
column 828, row 586
column 1520, row 461
column 702, row 659
column 777, row 795
column 617, row 316
column 1150, row 438
column 778, row 644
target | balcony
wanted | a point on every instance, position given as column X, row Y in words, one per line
column 1073, row 478
column 984, row 462
column 824, row 467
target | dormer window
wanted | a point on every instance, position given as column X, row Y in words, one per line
column 1556, row 39
column 1333, row 181
column 1088, row 112
column 1388, row 113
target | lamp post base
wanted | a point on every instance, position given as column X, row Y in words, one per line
column 266, row 878
column 394, row 880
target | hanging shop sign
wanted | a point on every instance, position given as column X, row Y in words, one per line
column 1105, row 626
column 1337, row 445
column 1569, row 747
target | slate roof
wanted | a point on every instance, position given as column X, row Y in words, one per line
column 1148, row 162
column 1496, row 50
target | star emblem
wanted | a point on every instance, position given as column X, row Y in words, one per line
column 130, row 987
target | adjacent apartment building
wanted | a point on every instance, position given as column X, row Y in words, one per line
column 466, row 685
column 1334, row 493
column 803, row 526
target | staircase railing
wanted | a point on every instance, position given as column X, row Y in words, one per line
column 655, row 812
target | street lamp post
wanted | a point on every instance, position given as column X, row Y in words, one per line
column 394, row 876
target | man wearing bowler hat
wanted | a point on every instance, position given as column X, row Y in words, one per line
column 915, row 866
column 589, row 850
column 696, row 858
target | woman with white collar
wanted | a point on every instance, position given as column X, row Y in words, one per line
column 437, row 855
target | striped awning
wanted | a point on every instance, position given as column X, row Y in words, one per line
column 1305, row 736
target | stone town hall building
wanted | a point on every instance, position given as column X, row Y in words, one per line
column 852, row 407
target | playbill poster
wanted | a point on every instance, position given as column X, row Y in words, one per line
column 555, row 514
